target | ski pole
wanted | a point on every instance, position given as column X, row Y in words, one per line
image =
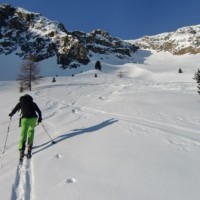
column 52, row 141
column 6, row 136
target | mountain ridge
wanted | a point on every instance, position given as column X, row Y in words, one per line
column 183, row 40
column 31, row 33
column 24, row 32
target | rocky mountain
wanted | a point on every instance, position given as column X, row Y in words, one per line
column 26, row 33
column 182, row 41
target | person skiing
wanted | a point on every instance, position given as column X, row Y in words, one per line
column 28, row 122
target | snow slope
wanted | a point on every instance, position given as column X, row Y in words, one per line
column 183, row 40
column 135, row 137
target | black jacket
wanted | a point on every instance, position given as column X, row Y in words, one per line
column 27, row 112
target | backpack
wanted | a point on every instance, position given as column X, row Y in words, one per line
column 27, row 105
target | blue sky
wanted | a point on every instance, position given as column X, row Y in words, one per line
column 126, row 19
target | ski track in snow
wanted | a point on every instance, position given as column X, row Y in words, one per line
column 22, row 187
column 182, row 137
column 177, row 135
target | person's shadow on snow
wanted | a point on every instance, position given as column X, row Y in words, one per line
column 74, row 133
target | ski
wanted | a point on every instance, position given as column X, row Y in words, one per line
column 21, row 159
column 28, row 156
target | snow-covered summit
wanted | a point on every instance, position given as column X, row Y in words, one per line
column 183, row 40
column 24, row 33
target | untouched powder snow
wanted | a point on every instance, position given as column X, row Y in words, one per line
column 134, row 137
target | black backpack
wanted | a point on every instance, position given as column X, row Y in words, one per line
column 27, row 105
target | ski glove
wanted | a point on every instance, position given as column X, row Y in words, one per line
column 10, row 115
column 39, row 120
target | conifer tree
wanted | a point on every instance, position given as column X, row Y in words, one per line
column 197, row 78
column 28, row 74
column 98, row 65
column 53, row 80
column 180, row 70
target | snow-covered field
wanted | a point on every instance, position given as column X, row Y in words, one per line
column 131, row 138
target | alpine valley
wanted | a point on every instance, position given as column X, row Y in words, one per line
column 129, row 133
column 24, row 33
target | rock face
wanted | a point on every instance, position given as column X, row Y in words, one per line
column 101, row 42
column 184, row 40
column 27, row 33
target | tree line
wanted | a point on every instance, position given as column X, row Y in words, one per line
column 29, row 74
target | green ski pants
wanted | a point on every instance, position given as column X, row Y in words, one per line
column 27, row 131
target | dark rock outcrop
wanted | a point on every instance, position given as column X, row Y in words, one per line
column 27, row 33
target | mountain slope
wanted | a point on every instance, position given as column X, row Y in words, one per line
column 184, row 40
column 135, row 137
column 25, row 33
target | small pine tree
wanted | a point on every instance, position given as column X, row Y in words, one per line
column 197, row 78
column 53, row 80
column 180, row 70
column 120, row 75
column 98, row 66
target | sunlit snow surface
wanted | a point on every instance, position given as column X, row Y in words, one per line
column 117, row 138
